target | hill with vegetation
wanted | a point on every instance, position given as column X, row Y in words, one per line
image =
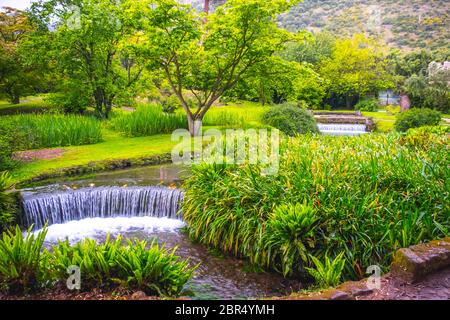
column 406, row 24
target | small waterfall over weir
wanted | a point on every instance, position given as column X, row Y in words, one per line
column 342, row 129
column 101, row 202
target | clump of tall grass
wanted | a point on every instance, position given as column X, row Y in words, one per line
column 363, row 196
column 223, row 118
column 148, row 120
column 56, row 130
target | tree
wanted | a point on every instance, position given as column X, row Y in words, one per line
column 90, row 48
column 357, row 67
column 16, row 77
column 311, row 49
column 430, row 90
column 206, row 58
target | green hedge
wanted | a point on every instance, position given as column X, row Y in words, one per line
column 415, row 118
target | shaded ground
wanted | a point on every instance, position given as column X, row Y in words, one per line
column 97, row 294
column 433, row 287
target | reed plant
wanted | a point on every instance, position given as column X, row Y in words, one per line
column 56, row 130
column 362, row 196
column 148, row 120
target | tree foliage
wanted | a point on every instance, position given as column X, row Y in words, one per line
column 207, row 56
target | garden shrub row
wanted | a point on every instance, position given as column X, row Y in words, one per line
column 361, row 197
column 27, row 267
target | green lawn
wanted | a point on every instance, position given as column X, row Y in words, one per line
column 27, row 105
column 114, row 147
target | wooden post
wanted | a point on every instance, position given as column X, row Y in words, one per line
column 206, row 6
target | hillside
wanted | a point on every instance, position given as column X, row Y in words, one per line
column 407, row 24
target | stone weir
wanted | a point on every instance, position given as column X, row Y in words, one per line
column 340, row 122
column 101, row 202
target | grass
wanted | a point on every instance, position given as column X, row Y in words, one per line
column 31, row 104
column 114, row 147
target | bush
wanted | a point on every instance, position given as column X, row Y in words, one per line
column 21, row 261
column 291, row 120
column 148, row 120
column 54, row 130
column 154, row 270
column 369, row 105
column 415, row 118
column 7, row 139
column 329, row 196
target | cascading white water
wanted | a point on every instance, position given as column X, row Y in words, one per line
column 342, row 129
column 102, row 202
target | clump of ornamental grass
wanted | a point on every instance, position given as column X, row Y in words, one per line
column 362, row 197
column 55, row 130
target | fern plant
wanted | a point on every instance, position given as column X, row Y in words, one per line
column 21, row 260
column 289, row 236
column 8, row 207
column 329, row 273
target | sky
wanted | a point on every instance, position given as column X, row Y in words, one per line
column 18, row 4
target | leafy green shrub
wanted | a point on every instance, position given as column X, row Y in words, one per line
column 357, row 187
column 415, row 118
column 10, row 140
column 8, row 206
column 393, row 109
column 423, row 137
column 54, row 130
column 21, row 261
column 291, row 120
column 154, row 270
column 369, row 105
column 288, row 236
column 329, row 273
column 170, row 104
column 149, row 120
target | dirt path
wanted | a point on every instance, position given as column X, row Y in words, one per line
column 434, row 287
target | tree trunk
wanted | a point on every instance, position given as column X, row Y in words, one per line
column 15, row 99
column 348, row 102
column 108, row 107
column 195, row 126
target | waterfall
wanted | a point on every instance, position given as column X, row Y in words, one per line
column 102, row 202
column 342, row 129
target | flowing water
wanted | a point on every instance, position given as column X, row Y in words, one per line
column 342, row 129
column 151, row 213
column 101, row 202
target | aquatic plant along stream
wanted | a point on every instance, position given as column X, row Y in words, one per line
column 342, row 129
column 146, row 212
